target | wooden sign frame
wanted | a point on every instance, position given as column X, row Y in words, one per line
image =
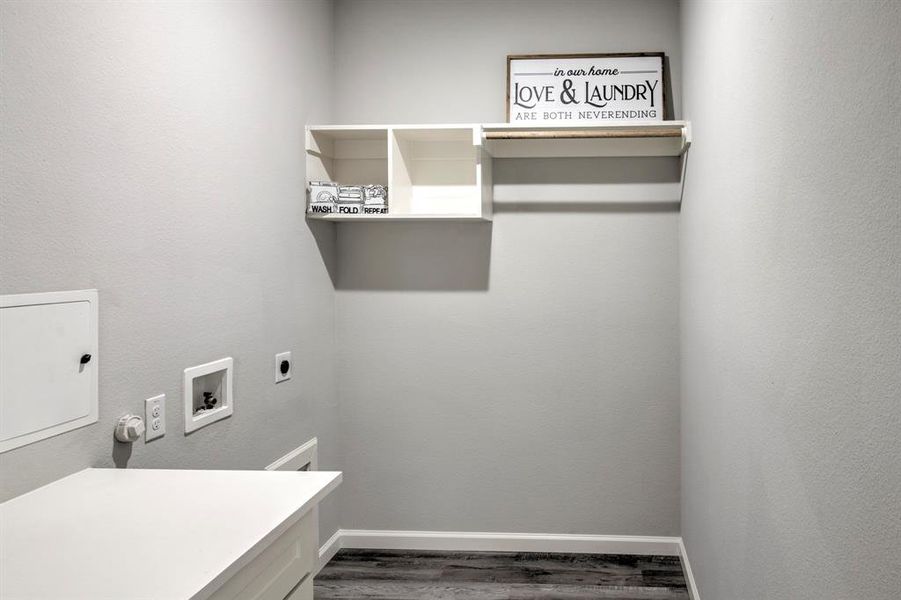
column 665, row 108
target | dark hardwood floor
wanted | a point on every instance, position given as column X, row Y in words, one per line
column 414, row 575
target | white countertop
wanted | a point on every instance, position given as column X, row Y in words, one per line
column 129, row 534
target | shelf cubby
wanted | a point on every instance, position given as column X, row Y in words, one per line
column 434, row 172
column 348, row 155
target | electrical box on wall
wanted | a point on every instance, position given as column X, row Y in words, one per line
column 48, row 365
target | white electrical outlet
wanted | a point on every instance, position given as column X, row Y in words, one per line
column 284, row 367
column 155, row 417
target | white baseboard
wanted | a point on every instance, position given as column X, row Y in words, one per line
column 499, row 542
column 462, row 541
column 302, row 458
column 329, row 549
column 689, row 576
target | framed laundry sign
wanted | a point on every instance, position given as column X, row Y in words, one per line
column 586, row 88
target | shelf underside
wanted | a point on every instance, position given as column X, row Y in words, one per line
column 394, row 218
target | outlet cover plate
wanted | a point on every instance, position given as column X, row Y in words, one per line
column 279, row 376
column 155, row 417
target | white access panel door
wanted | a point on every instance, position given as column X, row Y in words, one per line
column 48, row 365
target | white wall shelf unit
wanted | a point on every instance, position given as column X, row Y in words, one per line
column 433, row 172
column 443, row 172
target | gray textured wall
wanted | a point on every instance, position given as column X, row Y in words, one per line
column 155, row 152
column 521, row 376
column 791, row 300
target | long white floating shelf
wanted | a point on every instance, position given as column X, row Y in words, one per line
column 666, row 138
column 443, row 172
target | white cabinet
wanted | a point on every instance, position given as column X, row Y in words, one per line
column 134, row 534
column 281, row 570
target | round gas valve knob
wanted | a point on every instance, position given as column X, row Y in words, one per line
column 129, row 428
